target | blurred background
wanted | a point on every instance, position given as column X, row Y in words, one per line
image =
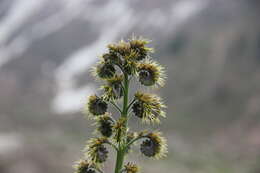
column 211, row 50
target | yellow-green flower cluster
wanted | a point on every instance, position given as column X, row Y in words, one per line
column 154, row 146
column 148, row 107
column 105, row 70
column 105, row 124
column 83, row 166
column 126, row 55
column 95, row 106
column 113, row 89
column 150, row 73
column 96, row 152
column 138, row 45
column 130, row 168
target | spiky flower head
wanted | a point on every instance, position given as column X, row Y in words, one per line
column 104, row 70
column 154, row 146
column 105, row 123
column 150, row 73
column 122, row 48
column 96, row 105
column 139, row 46
column 113, row 89
column 130, row 168
column 96, row 152
column 83, row 166
column 127, row 54
column 111, row 57
column 130, row 67
column 148, row 107
column 126, row 57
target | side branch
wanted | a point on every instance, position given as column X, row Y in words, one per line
column 115, row 105
column 134, row 140
column 114, row 146
column 132, row 102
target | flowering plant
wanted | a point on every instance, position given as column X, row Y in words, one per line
column 117, row 68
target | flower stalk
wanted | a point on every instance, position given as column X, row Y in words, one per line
column 121, row 152
column 117, row 67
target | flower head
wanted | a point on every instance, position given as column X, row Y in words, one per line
column 96, row 152
column 139, row 46
column 148, row 107
column 83, row 166
column 151, row 73
column 105, row 123
column 112, row 57
column 122, row 48
column 155, row 146
column 96, row 105
column 130, row 168
column 104, row 70
column 113, row 89
column 130, row 67
column 126, row 57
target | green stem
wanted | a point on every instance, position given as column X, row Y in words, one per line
column 119, row 160
column 113, row 145
column 134, row 140
column 121, row 147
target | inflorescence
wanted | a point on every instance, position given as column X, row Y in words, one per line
column 117, row 67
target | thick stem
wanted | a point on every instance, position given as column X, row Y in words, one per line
column 119, row 160
column 121, row 147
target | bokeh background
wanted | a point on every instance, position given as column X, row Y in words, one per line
column 211, row 50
